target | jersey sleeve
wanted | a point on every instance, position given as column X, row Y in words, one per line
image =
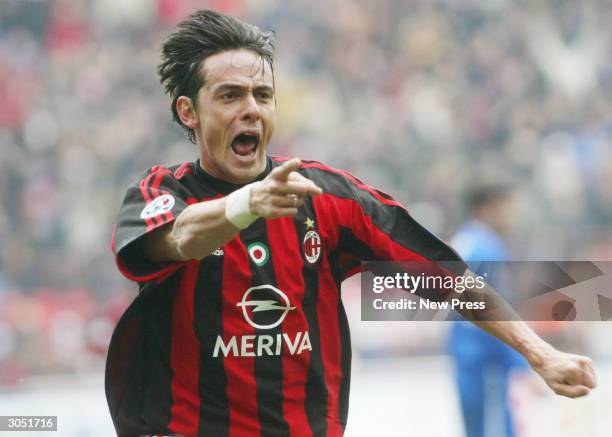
column 389, row 231
column 156, row 200
column 372, row 226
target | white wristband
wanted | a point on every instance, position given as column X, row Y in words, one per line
column 237, row 210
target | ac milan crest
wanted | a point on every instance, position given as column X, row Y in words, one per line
column 312, row 246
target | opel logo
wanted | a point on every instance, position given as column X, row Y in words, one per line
column 268, row 298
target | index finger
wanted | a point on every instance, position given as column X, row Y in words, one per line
column 282, row 173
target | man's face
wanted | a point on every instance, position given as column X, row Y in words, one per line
column 236, row 115
column 499, row 214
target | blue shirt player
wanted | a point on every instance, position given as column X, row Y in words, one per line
column 483, row 364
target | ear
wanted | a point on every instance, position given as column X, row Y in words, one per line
column 186, row 112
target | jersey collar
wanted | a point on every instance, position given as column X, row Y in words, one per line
column 222, row 186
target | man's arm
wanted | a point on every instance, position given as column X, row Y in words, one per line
column 566, row 374
column 376, row 218
column 203, row 227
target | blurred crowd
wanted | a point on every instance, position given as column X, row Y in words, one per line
column 420, row 98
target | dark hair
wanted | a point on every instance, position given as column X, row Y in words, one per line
column 205, row 33
column 484, row 194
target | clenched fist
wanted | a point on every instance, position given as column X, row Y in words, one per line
column 567, row 374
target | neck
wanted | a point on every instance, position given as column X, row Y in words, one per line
column 216, row 172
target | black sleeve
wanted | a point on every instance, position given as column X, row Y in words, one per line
column 157, row 199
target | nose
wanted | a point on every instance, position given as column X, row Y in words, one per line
column 251, row 111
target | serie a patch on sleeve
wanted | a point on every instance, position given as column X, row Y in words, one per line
column 160, row 205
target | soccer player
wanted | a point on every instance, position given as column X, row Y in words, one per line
column 481, row 360
column 238, row 328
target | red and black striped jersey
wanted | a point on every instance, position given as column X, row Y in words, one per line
column 253, row 339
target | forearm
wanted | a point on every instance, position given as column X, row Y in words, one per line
column 566, row 374
column 201, row 228
column 519, row 336
column 197, row 231
column 499, row 319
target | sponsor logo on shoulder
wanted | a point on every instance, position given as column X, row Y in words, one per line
column 160, row 205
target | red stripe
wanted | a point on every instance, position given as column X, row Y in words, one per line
column 385, row 248
column 158, row 275
column 192, row 200
column 285, row 250
column 179, row 172
column 147, row 198
column 240, row 371
column 113, row 238
column 333, row 212
column 185, row 357
column 179, row 169
column 145, row 185
column 346, row 211
column 182, row 169
column 280, row 159
column 163, row 171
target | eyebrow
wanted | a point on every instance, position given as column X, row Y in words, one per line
column 239, row 87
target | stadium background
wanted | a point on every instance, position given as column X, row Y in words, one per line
column 418, row 98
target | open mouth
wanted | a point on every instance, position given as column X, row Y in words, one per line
column 245, row 144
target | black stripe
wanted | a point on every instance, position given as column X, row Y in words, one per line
column 138, row 374
column 353, row 245
column 130, row 225
column 194, row 186
column 316, row 390
column 392, row 220
column 268, row 369
column 345, row 359
column 348, row 243
column 208, row 323
column 124, row 369
column 157, row 389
